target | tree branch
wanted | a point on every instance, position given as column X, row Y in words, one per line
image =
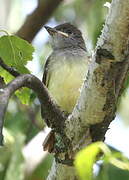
column 2, row 83
column 37, row 19
column 96, row 105
column 11, row 70
column 50, row 109
column 107, row 72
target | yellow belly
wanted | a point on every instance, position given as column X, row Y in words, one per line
column 65, row 82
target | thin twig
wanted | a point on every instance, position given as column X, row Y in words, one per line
column 11, row 70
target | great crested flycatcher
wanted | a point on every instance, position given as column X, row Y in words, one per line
column 66, row 67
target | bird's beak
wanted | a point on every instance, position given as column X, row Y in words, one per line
column 50, row 30
column 53, row 31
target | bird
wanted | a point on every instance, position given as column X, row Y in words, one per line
column 65, row 69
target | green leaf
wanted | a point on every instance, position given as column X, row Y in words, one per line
column 22, row 69
column 24, row 95
column 32, row 97
column 85, row 160
column 111, row 172
column 7, row 76
column 16, row 52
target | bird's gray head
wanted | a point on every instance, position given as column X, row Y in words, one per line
column 66, row 36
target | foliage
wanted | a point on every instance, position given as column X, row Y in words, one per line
column 12, row 164
column 19, row 53
column 112, row 163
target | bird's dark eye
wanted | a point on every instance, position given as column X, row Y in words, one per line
column 69, row 31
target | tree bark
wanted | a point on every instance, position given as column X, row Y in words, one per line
column 96, row 105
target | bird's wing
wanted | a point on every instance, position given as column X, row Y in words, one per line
column 46, row 75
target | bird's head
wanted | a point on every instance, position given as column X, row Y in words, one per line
column 66, row 36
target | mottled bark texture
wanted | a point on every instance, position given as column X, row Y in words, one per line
column 96, row 105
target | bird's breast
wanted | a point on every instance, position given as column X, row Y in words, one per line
column 65, row 80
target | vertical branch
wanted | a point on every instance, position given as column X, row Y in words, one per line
column 96, row 105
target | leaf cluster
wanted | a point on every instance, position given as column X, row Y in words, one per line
column 110, row 163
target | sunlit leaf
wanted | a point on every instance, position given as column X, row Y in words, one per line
column 85, row 160
column 7, row 76
column 16, row 52
column 87, row 157
column 24, row 95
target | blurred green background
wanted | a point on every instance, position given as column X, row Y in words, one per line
column 22, row 157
